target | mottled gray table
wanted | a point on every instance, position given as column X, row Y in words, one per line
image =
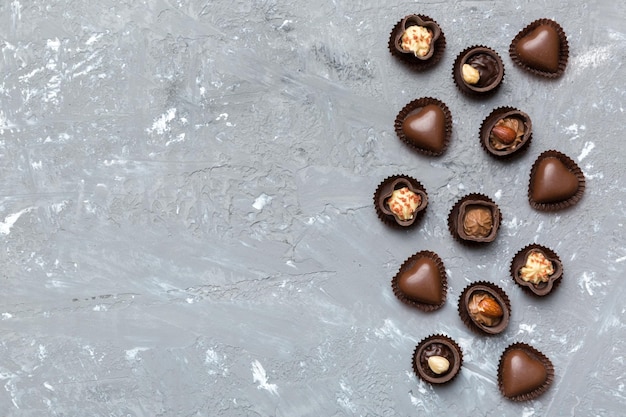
column 187, row 223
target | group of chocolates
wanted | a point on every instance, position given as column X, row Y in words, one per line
column 555, row 183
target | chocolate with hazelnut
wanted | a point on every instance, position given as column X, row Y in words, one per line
column 505, row 132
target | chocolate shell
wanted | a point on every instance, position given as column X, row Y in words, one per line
column 556, row 182
column 489, row 66
column 524, row 373
column 425, row 124
column 539, row 289
column 443, row 347
column 384, row 192
column 422, row 282
column 541, row 48
column 484, row 308
column 512, row 134
column 475, row 219
column 437, row 46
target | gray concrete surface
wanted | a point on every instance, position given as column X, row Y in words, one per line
column 186, row 217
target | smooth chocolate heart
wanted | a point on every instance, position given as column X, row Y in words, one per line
column 422, row 282
column 521, row 374
column 426, row 128
column 552, row 181
column 540, row 49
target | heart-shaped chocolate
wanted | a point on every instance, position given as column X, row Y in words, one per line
column 520, row 373
column 552, row 181
column 540, row 48
column 422, row 282
column 426, row 128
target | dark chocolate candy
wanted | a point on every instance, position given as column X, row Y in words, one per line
column 489, row 66
column 524, row 373
column 426, row 128
column 437, row 345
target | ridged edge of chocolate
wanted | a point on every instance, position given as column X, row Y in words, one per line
column 563, row 49
column 413, row 62
column 453, row 225
column 573, row 167
column 416, row 104
column 488, row 123
column 538, row 355
column 466, row 317
column 390, row 219
column 427, row 308
column 468, row 90
column 520, row 259
column 440, row 338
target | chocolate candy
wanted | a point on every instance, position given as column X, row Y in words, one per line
column 556, row 182
column 418, row 61
column 425, row 124
column 474, row 219
column 537, row 269
column 506, row 132
column 484, row 308
column 541, row 48
column 384, row 193
column 524, row 373
column 433, row 351
column 421, row 281
column 485, row 68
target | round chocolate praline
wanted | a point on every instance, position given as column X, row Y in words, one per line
column 386, row 189
column 542, row 288
column 524, row 373
column 437, row 345
column 489, row 66
column 468, row 205
column 497, row 294
column 437, row 46
column 502, row 150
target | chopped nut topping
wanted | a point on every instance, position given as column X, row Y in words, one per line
column 537, row 269
column 417, row 39
column 403, row 203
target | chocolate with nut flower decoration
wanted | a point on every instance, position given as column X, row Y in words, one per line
column 400, row 201
column 537, row 269
column 417, row 41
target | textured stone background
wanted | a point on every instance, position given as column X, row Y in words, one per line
column 186, row 219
